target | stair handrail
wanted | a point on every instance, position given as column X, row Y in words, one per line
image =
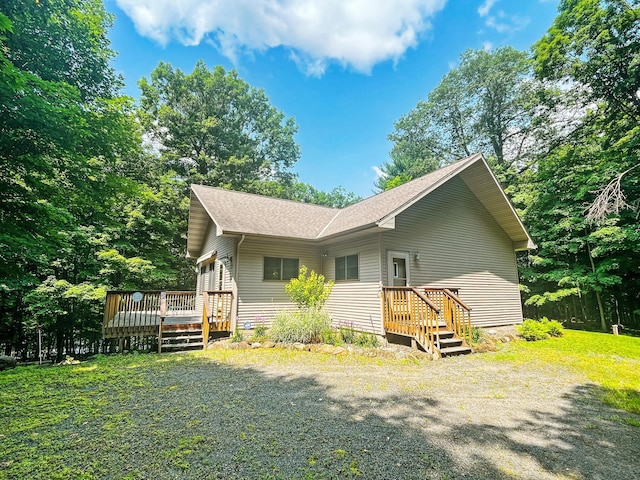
column 461, row 327
column 429, row 334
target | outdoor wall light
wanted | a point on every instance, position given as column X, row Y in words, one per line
column 325, row 253
column 416, row 256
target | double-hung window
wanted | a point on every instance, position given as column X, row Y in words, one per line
column 347, row 268
column 278, row 268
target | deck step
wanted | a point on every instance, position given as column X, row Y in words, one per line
column 449, row 342
column 451, row 351
column 182, row 346
column 183, row 337
column 171, row 333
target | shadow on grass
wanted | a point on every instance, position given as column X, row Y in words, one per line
column 203, row 419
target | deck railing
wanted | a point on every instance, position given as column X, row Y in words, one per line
column 139, row 313
column 216, row 311
column 453, row 311
column 408, row 311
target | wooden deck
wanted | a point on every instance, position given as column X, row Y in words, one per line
column 147, row 313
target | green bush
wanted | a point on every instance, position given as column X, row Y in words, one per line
column 305, row 326
column 554, row 327
column 348, row 335
column 367, row 340
column 237, row 336
column 260, row 331
column 477, row 334
column 308, row 291
column 532, row 330
column 331, row 337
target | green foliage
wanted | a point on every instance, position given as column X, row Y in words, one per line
column 532, row 330
column 216, row 129
column 331, row 336
column 305, row 326
column 348, row 335
column 367, row 340
column 488, row 104
column 260, row 331
column 309, row 291
column 597, row 44
column 237, row 336
column 477, row 334
column 362, row 339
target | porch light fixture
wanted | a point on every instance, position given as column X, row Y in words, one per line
column 226, row 260
column 416, row 256
column 325, row 253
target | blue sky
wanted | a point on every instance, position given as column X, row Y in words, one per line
column 346, row 70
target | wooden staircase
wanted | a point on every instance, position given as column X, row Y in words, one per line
column 176, row 337
column 436, row 319
column 448, row 344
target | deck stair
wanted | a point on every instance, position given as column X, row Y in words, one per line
column 449, row 345
column 434, row 318
column 176, row 337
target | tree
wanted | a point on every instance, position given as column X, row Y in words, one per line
column 588, row 235
column 490, row 103
column 211, row 127
column 596, row 43
column 64, row 137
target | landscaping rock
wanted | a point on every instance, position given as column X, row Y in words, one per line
column 7, row 362
column 256, row 345
column 239, row 345
column 268, row 344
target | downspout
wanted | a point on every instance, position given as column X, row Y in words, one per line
column 234, row 286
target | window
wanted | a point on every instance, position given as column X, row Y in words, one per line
column 277, row 268
column 347, row 267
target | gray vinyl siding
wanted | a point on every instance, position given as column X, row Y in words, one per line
column 224, row 246
column 259, row 300
column 356, row 303
column 461, row 246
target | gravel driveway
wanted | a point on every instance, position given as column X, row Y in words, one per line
column 319, row 416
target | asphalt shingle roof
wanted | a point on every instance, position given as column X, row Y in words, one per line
column 239, row 212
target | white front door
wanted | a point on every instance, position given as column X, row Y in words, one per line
column 398, row 269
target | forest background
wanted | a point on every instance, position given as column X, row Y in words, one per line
column 94, row 186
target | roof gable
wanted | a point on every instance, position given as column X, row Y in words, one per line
column 243, row 213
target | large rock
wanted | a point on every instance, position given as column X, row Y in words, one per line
column 7, row 362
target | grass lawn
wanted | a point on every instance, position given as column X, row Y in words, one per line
column 193, row 415
column 611, row 362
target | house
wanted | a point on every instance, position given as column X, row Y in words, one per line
column 452, row 229
column 425, row 260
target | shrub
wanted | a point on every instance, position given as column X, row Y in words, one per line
column 477, row 334
column 367, row 340
column 305, row 326
column 260, row 331
column 532, row 330
column 308, row 291
column 237, row 336
column 348, row 335
column 554, row 327
column 331, row 337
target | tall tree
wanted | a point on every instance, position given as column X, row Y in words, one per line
column 490, row 103
column 588, row 236
column 63, row 136
column 211, row 127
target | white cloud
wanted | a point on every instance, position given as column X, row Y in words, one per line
column 483, row 10
column 505, row 23
column 487, row 46
column 353, row 33
column 379, row 172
